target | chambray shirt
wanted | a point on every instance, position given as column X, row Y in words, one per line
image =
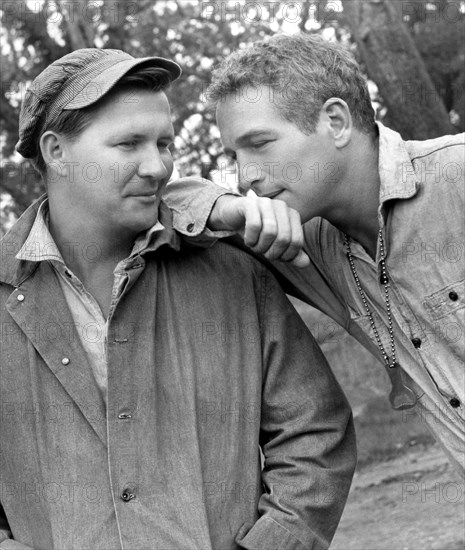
column 199, row 378
column 421, row 214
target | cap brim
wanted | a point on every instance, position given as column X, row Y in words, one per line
column 102, row 84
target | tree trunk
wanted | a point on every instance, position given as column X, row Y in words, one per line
column 392, row 61
column 78, row 24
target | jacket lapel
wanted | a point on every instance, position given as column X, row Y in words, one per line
column 39, row 301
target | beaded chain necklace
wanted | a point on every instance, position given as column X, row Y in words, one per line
column 401, row 397
column 384, row 281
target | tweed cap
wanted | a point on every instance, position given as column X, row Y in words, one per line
column 74, row 81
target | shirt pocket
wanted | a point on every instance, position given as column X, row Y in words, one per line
column 448, row 300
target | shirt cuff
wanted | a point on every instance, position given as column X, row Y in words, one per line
column 191, row 210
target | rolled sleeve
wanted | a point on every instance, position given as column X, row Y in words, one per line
column 191, row 200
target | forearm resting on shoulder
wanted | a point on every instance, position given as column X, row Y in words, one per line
column 269, row 227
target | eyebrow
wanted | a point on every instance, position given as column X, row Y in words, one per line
column 127, row 134
column 136, row 135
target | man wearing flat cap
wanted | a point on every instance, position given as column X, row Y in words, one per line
column 139, row 377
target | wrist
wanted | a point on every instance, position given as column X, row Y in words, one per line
column 226, row 214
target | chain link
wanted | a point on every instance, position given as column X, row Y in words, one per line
column 385, row 281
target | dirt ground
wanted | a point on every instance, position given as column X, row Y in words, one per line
column 412, row 502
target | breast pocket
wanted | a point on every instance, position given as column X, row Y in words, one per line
column 449, row 299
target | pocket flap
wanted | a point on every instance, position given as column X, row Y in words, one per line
column 447, row 300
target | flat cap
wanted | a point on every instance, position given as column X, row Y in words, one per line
column 75, row 81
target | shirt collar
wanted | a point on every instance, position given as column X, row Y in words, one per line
column 40, row 246
column 398, row 179
column 161, row 233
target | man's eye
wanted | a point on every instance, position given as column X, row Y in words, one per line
column 127, row 144
column 259, row 144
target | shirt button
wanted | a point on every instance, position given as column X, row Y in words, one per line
column 454, row 402
column 124, row 416
column 452, row 295
column 126, row 495
column 20, row 297
column 190, row 227
column 416, row 342
column 65, row 361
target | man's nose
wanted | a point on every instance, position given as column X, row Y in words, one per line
column 152, row 165
column 249, row 174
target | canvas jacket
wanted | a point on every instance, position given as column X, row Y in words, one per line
column 199, row 376
column 421, row 213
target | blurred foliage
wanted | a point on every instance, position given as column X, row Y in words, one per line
column 196, row 34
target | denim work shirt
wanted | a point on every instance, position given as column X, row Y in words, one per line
column 199, row 378
column 421, row 214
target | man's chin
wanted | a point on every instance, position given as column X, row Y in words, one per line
column 140, row 225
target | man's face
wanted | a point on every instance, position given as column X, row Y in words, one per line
column 274, row 158
column 119, row 165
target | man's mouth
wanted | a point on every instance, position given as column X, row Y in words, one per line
column 272, row 195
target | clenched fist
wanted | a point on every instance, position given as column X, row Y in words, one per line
column 269, row 227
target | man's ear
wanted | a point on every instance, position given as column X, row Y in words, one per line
column 340, row 120
column 51, row 146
